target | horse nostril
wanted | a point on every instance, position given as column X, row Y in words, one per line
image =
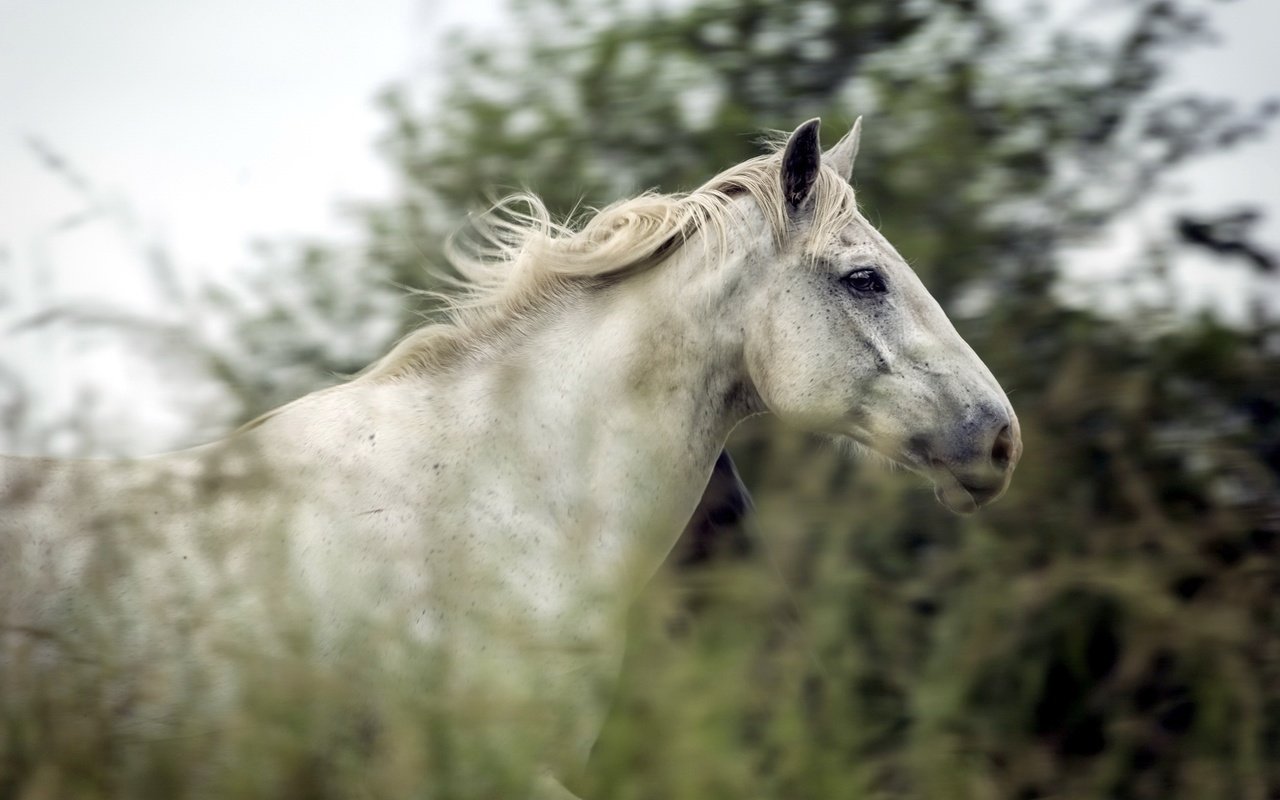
column 1002, row 450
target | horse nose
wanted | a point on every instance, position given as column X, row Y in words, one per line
column 987, row 474
column 1002, row 449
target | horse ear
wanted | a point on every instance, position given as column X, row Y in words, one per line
column 800, row 162
column 840, row 158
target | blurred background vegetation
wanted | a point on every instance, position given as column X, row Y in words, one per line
column 1111, row 628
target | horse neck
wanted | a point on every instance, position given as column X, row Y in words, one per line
column 625, row 396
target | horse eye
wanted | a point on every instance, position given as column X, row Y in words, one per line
column 867, row 281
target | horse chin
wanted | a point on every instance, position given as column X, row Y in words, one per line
column 946, row 487
column 953, row 496
column 951, row 493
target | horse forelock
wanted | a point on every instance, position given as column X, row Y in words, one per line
column 515, row 259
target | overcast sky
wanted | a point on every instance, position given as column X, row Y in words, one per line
column 1244, row 66
column 202, row 127
column 207, row 126
column 211, row 123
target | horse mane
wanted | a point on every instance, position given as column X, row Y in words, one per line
column 517, row 259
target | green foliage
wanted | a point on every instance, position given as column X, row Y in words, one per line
column 260, row 711
column 1101, row 632
column 985, row 147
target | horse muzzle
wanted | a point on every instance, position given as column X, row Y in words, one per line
column 972, row 465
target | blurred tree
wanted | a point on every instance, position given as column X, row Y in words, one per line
column 1106, row 631
column 993, row 140
column 990, row 139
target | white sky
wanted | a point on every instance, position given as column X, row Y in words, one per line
column 216, row 123
column 202, row 127
column 1245, row 66
column 207, row 126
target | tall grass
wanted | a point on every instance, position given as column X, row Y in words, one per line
column 899, row 652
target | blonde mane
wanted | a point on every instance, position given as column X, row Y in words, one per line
column 517, row 259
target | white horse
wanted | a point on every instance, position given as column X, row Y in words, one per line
column 506, row 482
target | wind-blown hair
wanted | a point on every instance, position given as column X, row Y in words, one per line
column 516, row 259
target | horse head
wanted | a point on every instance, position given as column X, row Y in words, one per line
column 843, row 338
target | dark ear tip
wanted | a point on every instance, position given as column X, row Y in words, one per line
column 808, row 130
